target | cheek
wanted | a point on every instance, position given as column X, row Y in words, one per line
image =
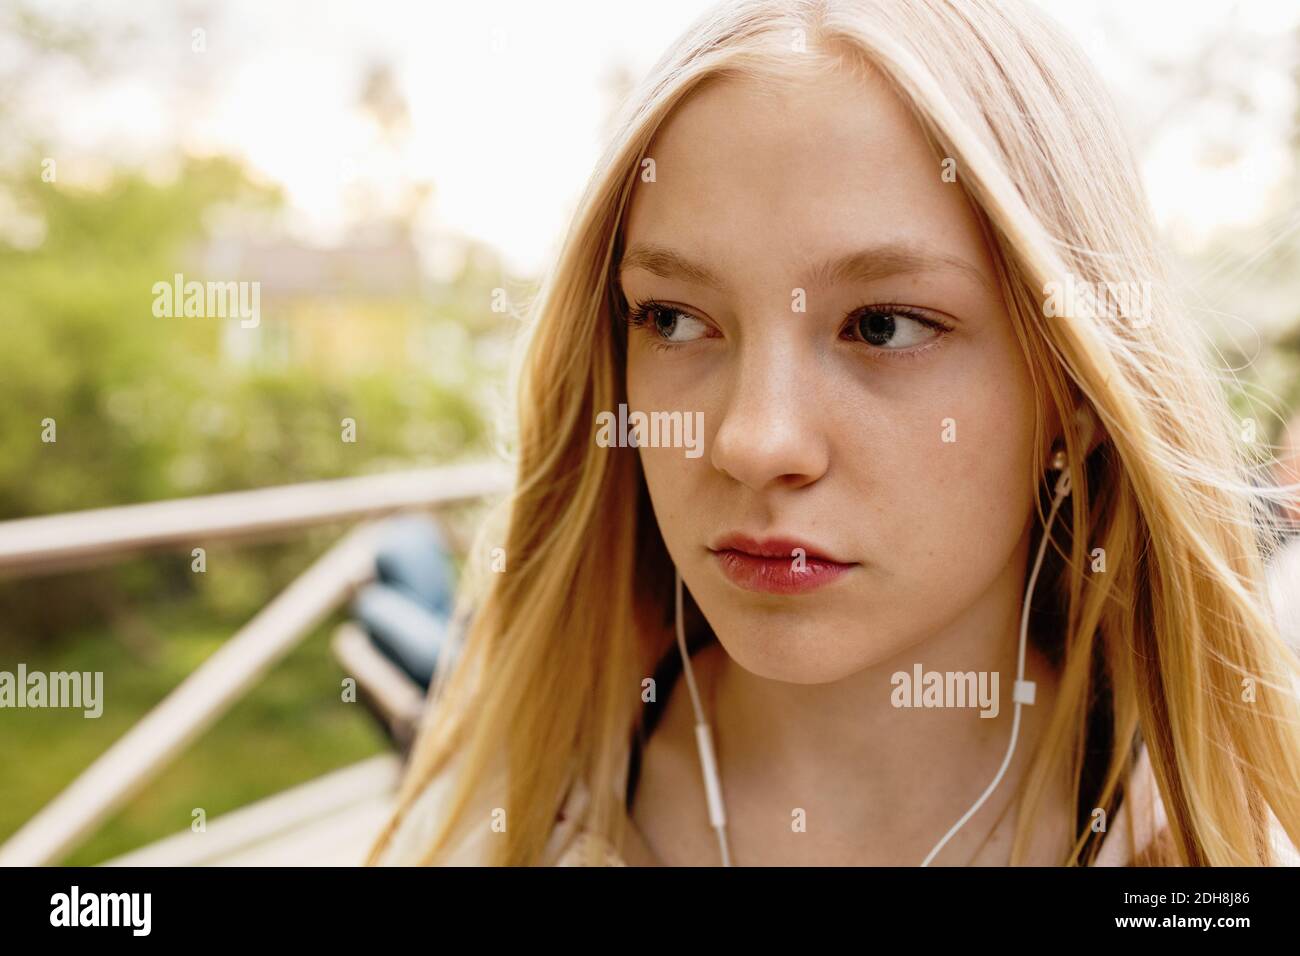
column 665, row 483
column 668, row 472
column 957, row 485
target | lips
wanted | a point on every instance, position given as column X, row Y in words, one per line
column 776, row 565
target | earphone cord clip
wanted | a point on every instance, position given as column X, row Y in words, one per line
column 1022, row 693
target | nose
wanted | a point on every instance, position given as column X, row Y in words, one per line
column 771, row 433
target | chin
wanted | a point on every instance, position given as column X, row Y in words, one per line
column 810, row 649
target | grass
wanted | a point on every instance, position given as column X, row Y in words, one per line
column 290, row 727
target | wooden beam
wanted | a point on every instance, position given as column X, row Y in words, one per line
column 283, row 817
column 81, row 538
column 158, row 737
column 398, row 699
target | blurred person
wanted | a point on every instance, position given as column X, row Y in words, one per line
column 838, row 232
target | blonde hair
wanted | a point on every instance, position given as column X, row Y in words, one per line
column 1157, row 648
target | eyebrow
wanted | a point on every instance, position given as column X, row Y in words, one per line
column 863, row 265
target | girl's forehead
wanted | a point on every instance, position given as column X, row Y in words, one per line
column 797, row 170
column 790, row 121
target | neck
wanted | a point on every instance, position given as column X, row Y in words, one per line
column 879, row 784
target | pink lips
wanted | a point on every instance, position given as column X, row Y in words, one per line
column 776, row 565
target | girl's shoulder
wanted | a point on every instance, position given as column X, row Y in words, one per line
column 424, row 818
column 1139, row 822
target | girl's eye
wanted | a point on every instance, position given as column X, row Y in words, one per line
column 667, row 323
column 886, row 328
column 891, row 328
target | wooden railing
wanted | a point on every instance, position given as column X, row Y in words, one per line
column 59, row 542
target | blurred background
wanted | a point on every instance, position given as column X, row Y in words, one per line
column 388, row 172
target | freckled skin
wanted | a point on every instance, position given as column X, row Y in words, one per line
column 812, row 436
column 811, row 433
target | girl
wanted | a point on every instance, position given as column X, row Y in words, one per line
column 957, row 437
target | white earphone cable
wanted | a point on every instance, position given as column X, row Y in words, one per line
column 703, row 741
column 1023, row 693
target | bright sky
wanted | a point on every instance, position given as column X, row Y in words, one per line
column 507, row 101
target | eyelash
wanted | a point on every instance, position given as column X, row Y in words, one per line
column 639, row 314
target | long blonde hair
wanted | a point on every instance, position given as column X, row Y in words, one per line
column 1170, row 642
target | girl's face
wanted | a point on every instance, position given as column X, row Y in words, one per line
column 808, row 278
